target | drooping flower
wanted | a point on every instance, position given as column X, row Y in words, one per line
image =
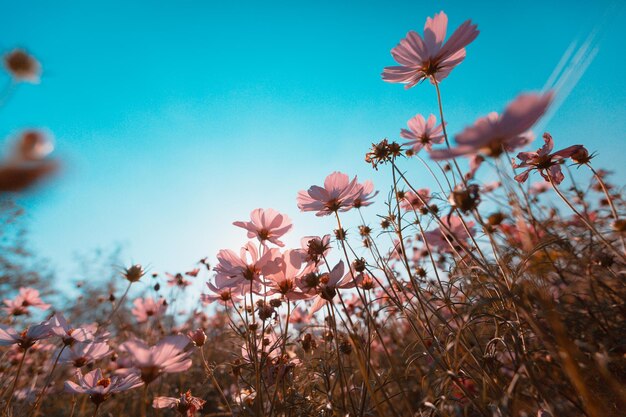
column 492, row 135
column 429, row 57
column 338, row 194
column 267, row 225
column 167, row 356
column 100, row 388
column 186, row 404
column 22, row 66
column 81, row 354
column 548, row 164
column 422, row 133
column 148, row 307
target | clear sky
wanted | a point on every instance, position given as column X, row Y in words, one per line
column 175, row 118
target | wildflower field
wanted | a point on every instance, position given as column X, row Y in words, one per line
column 493, row 298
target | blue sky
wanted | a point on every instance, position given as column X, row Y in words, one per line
column 174, row 119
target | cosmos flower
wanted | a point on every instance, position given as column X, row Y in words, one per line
column 412, row 201
column 243, row 270
column 267, row 225
column 26, row 162
column 224, row 296
column 429, row 57
column 449, row 236
column 328, row 285
column 177, row 280
column 69, row 335
column 491, row 135
column 283, row 272
column 25, row 339
column 338, row 194
column 548, row 164
column 148, row 307
column 365, row 195
column 315, row 247
column 422, row 133
column 27, row 297
column 167, row 356
column 186, row 404
column 98, row 387
column 81, row 354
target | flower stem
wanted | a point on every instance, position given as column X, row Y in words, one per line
column 17, row 375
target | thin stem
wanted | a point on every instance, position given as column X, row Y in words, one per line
column 38, row 401
column 17, row 375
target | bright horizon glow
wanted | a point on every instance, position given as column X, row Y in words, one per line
column 175, row 120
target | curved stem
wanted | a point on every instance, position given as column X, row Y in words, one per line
column 17, row 375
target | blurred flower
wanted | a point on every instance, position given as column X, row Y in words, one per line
column 422, row 133
column 148, row 307
column 177, row 280
column 26, row 164
column 167, row 356
column 411, row 201
column 25, row 339
column 491, row 135
column 22, row 66
column 134, row 273
column 81, row 354
column 186, row 404
column 198, row 337
column 100, row 388
column 267, row 225
column 429, row 57
column 27, row 297
column 450, row 235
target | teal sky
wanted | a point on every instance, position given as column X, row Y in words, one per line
column 174, row 119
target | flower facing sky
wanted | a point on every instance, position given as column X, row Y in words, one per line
column 493, row 134
column 338, row 194
column 267, row 225
column 422, row 133
column 428, row 56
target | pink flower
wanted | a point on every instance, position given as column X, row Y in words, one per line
column 338, row 194
column 148, row 307
column 167, row 356
column 429, row 57
column 422, row 133
column 365, row 195
column 451, row 235
column 81, row 354
column 266, row 225
column 283, row 272
column 186, row 404
column 548, row 164
column 328, row 285
column 27, row 297
column 100, row 388
column 224, row 296
column 492, row 134
column 177, row 280
column 68, row 334
column 25, row 339
column 315, row 247
column 413, row 201
column 244, row 270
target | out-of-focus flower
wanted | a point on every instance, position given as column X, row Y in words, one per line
column 412, row 201
column 223, row 296
column 98, row 387
column 148, row 307
column 491, row 135
column 167, row 356
column 422, row 133
column 267, row 225
column 27, row 297
column 26, row 163
column 338, row 194
column 22, row 66
column 25, row 339
column 429, row 57
column 186, row 404
column 134, row 273
column 198, row 337
column 548, row 164
column 177, row 280
column 365, row 195
column 81, row 354
column 449, row 236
